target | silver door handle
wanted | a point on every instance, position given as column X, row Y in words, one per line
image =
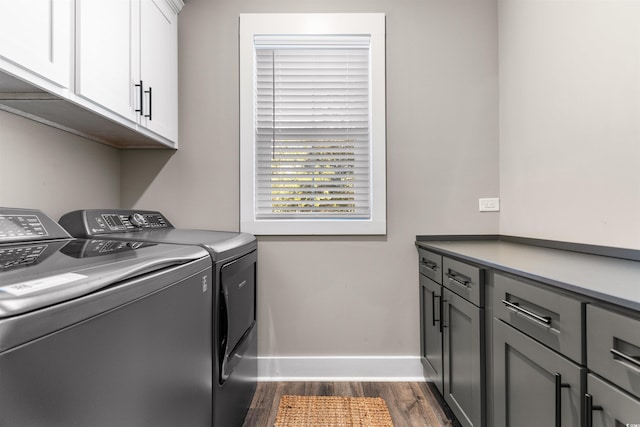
column 429, row 265
column 635, row 365
column 457, row 281
column 545, row 320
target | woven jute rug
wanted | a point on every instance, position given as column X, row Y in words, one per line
column 332, row 411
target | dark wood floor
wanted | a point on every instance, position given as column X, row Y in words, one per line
column 410, row 404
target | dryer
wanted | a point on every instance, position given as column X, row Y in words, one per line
column 234, row 263
column 101, row 333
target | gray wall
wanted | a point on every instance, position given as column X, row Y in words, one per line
column 570, row 120
column 54, row 171
column 349, row 295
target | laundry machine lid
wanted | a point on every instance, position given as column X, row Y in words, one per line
column 50, row 267
column 40, row 274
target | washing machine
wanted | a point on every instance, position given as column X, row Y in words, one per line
column 101, row 333
column 234, row 260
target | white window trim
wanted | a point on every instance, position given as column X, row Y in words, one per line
column 372, row 24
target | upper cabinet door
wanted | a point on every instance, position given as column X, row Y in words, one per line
column 159, row 67
column 127, row 60
column 106, row 54
column 35, row 41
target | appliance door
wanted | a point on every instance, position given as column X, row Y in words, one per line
column 142, row 361
column 237, row 311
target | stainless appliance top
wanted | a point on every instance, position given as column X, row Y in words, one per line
column 152, row 226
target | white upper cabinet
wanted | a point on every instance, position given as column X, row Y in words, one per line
column 36, row 43
column 127, row 60
column 159, row 67
column 104, row 69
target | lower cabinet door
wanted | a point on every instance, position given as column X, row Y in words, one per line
column 430, row 330
column 606, row 405
column 463, row 353
column 533, row 386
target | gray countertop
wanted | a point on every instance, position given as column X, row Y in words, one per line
column 613, row 280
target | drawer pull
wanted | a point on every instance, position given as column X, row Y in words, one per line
column 544, row 320
column 429, row 265
column 588, row 410
column 635, row 365
column 454, row 279
column 559, row 386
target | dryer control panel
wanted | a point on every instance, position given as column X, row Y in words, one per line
column 93, row 222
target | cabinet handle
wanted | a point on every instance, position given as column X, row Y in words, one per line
column 545, row 320
column 454, row 278
column 588, row 410
column 150, row 103
column 433, row 308
column 559, row 386
column 140, row 98
column 430, row 265
column 443, row 310
column 635, row 365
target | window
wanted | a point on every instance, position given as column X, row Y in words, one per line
column 312, row 124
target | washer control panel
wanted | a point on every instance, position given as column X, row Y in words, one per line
column 93, row 222
column 122, row 222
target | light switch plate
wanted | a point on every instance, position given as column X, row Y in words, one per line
column 489, row 205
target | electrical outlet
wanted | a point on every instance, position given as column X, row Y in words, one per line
column 489, row 205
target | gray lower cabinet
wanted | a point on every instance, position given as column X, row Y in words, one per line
column 608, row 406
column 518, row 345
column 452, row 335
column 463, row 354
column 533, row 385
column 613, row 356
column 613, row 347
column 431, row 331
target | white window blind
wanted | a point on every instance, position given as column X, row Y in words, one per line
column 312, row 127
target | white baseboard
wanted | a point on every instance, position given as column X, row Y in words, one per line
column 337, row 368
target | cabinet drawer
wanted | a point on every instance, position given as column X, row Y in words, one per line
column 613, row 348
column 464, row 279
column 612, row 406
column 549, row 317
column 430, row 265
